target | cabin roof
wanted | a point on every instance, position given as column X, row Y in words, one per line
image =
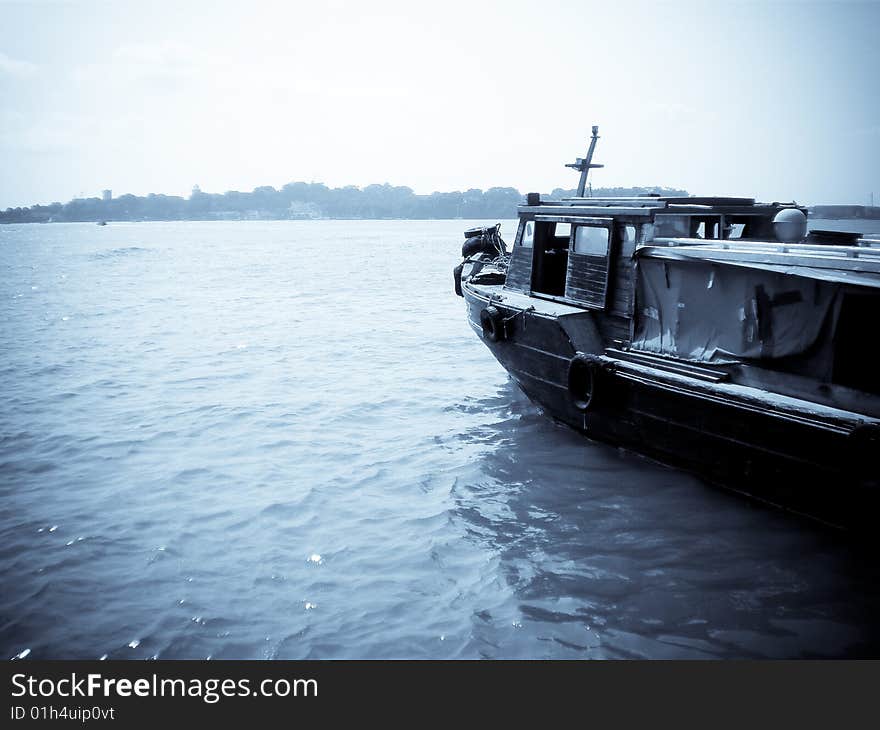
column 670, row 200
column 647, row 205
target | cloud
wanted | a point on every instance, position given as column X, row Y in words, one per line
column 14, row 67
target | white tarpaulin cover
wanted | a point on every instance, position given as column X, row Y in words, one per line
column 714, row 312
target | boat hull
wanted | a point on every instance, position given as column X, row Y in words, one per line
column 803, row 460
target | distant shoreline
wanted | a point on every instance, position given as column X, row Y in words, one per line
column 494, row 204
column 301, row 201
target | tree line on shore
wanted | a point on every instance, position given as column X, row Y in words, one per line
column 298, row 201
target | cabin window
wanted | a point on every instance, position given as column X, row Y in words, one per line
column 687, row 226
column 672, row 226
column 563, row 230
column 734, row 230
column 737, row 227
column 519, row 270
column 591, row 241
column 704, row 227
column 528, row 236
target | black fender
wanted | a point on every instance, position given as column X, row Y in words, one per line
column 456, row 277
column 588, row 380
column 494, row 326
column 477, row 245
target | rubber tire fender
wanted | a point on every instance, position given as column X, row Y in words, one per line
column 478, row 244
column 585, row 381
column 456, row 277
column 494, row 326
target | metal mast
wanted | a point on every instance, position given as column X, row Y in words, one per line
column 585, row 164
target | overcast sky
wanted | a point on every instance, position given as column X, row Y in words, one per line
column 770, row 99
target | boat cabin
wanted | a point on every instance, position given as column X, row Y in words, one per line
column 580, row 251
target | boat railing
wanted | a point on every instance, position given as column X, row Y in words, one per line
column 866, row 248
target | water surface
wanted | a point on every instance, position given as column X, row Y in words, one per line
column 282, row 439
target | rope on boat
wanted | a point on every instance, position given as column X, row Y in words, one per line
column 520, row 313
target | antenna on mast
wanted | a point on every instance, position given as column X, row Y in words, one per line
column 585, row 164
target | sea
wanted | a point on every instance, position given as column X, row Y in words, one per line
column 281, row 439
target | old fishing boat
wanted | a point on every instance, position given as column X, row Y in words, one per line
column 713, row 333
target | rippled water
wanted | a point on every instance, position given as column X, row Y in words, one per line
column 281, row 439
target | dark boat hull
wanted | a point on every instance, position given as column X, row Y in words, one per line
column 810, row 465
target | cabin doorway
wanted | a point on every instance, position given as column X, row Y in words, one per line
column 550, row 262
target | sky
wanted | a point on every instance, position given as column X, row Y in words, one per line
column 775, row 100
